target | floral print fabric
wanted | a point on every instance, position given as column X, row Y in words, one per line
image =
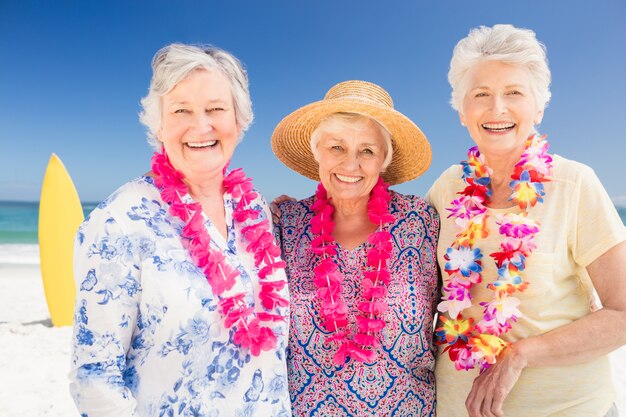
column 148, row 340
column 400, row 382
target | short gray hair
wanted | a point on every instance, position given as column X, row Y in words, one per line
column 335, row 121
column 504, row 43
column 175, row 62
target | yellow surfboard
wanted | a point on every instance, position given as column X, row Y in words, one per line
column 60, row 214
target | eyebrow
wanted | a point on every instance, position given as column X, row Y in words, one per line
column 484, row 87
column 212, row 101
column 333, row 138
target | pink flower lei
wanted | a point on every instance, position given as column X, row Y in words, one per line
column 250, row 333
column 328, row 279
column 479, row 344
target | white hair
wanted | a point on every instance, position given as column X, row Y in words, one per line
column 174, row 63
column 334, row 122
column 504, row 43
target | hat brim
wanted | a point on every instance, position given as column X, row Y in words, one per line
column 291, row 139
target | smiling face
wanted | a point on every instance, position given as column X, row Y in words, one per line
column 499, row 109
column 198, row 129
column 350, row 157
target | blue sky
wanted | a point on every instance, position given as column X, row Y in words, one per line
column 72, row 75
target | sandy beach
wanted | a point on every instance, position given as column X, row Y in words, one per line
column 34, row 356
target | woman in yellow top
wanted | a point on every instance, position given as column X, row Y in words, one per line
column 527, row 239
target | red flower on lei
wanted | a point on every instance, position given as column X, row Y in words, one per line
column 250, row 333
column 328, row 279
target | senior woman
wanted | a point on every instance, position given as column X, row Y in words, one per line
column 360, row 258
column 528, row 238
column 182, row 304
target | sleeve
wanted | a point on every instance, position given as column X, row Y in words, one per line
column 265, row 207
column 433, row 228
column 274, row 227
column 431, row 193
column 434, row 225
column 278, row 232
column 425, row 263
column 435, row 196
column 108, row 287
column 281, row 229
column 597, row 226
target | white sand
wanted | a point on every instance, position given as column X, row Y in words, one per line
column 34, row 357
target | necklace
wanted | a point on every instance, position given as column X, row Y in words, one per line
column 328, row 279
column 468, row 344
column 249, row 333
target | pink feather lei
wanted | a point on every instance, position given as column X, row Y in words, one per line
column 468, row 344
column 250, row 333
column 328, row 279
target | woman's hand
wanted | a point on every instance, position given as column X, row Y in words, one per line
column 603, row 331
column 274, row 206
column 491, row 388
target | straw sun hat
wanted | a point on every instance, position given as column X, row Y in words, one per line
column 292, row 137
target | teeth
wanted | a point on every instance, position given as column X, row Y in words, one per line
column 498, row 126
column 349, row 179
column 201, row 144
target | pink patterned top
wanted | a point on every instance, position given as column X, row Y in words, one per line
column 401, row 380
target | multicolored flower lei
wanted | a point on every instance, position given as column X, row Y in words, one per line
column 328, row 278
column 221, row 276
column 479, row 344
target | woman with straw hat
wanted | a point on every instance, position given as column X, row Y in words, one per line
column 360, row 258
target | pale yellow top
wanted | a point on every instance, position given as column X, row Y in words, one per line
column 578, row 224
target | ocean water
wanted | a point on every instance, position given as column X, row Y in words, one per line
column 19, row 220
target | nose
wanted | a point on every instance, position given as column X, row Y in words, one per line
column 351, row 161
column 499, row 105
column 203, row 122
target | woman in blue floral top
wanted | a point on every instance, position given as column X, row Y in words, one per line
column 182, row 304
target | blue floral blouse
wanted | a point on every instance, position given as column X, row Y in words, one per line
column 148, row 340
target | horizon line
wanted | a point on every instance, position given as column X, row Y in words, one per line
column 618, row 202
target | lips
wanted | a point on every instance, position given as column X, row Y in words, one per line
column 498, row 127
column 198, row 145
column 345, row 178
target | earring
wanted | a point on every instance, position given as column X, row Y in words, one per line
column 463, row 124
